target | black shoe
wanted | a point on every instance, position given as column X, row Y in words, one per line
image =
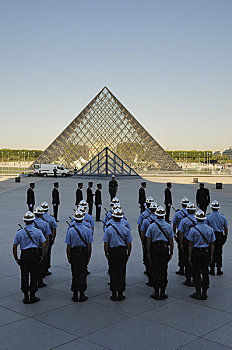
column 163, row 296
column 180, row 272
column 188, row 283
column 212, row 272
column 26, row 299
column 145, row 272
column 83, row 297
column 149, row 283
column 42, row 284
column 121, row 296
column 88, row 273
column 219, row 272
column 57, row 220
column 197, row 296
column 34, row 300
column 155, row 296
column 204, row 296
column 48, row 273
column 75, row 297
column 114, row 296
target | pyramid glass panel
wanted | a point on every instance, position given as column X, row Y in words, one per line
column 105, row 122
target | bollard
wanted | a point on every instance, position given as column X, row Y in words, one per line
column 218, row 185
column 17, row 179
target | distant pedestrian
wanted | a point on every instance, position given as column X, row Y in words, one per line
column 79, row 194
column 168, row 201
column 142, row 196
column 31, row 197
column 113, row 187
column 89, row 199
column 55, row 172
column 202, row 197
column 98, row 202
column 55, row 200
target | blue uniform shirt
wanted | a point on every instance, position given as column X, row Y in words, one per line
column 195, row 237
column 186, row 224
column 147, row 222
column 73, row 238
column 181, row 214
column 24, row 240
column 108, row 216
column 156, row 234
column 50, row 219
column 43, row 226
column 89, row 218
column 87, row 224
column 114, row 239
column 143, row 216
column 123, row 221
column 217, row 221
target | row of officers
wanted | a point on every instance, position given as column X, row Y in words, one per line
column 200, row 240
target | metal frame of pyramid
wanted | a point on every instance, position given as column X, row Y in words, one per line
column 105, row 122
column 106, row 163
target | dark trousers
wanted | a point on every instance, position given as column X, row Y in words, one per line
column 117, row 269
column 180, row 254
column 142, row 207
column 90, row 208
column 98, row 213
column 146, row 260
column 217, row 254
column 55, row 211
column 48, row 258
column 159, row 259
column 29, row 265
column 167, row 216
column 112, row 194
column 200, row 260
column 31, row 207
column 203, row 206
column 79, row 262
column 188, row 267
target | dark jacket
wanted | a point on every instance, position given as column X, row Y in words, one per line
column 113, row 186
column 167, row 196
column 30, row 196
column 89, row 195
column 98, row 197
column 55, row 196
column 79, row 196
column 203, row 196
column 142, row 195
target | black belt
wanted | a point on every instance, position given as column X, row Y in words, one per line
column 81, row 247
column 119, row 247
column 31, row 250
column 161, row 244
column 205, row 249
column 217, row 232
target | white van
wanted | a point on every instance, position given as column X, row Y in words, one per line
column 48, row 169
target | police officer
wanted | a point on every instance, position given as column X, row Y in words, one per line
column 30, row 240
column 55, row 200
column 113, row 187
column 98, row 202
column 108, row 215
column 79, row 194
column 184, row 228
column 45, row 228
column 53, row 226
column 146, row 222
column 179, row 215
column 159, row 237
column 78, row 240
column 88, row 217
column 89, row 199
column 168, row 200
column 31, row 197
column 202, row 197
column 142, row 196
column 124, row 220
column 117, row 246
column 201, row 245
column 219, row 224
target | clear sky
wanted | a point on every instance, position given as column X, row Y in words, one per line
column 168, row 61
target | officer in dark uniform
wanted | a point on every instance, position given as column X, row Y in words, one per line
column 159, row 237
column 142, row 196
column 79, row 194
column 117, row 246
column 55, row 200
column 201, row 245
column 78, row 240
column 113, row 187
column 145, row 224
column 31, row 197
column 45, row 228
column 98, row 202
column 89, row 199
column 202, row 197
column 30, row 240
column 219, row 224
column 184, row 228
column 168, row 201
column 53, row 226
column 179, row 215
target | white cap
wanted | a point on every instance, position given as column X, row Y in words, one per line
column 83, row 203
column 39, row 210
column 184, row 201
column 191, row 206
column 160, row 211
column 215, row 205
column 153, row 205
column 115, row 200
column 29, row 216
column 149, row 199
column 117, row 213
column 78, row 215
column 45, row 206
column 81, row 208
column 200, row 215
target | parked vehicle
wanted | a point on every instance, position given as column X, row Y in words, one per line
column 50, row 169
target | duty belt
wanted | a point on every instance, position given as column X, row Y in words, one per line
column 33, row 250
column 161, row 244
column 119, row 247
column 81, row 247
column 205, row 249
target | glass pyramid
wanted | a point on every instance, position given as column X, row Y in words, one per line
column 105, row 122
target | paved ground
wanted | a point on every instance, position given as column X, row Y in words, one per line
column 137, row 323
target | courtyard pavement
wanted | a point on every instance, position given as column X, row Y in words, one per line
column 138, row 322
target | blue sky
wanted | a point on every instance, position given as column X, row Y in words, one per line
column 169, row 62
